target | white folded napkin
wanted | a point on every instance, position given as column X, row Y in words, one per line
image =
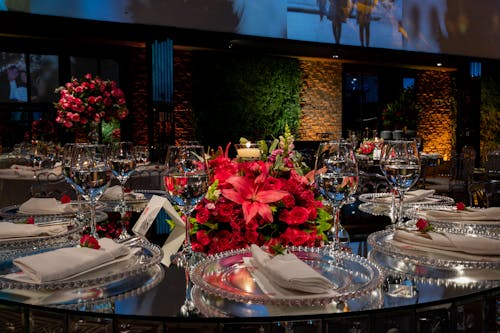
column 469, row 215
column 64, row 263
column 473, row 244
column 410, row 196
column 115, row 193
column 21, row 230
column 289, row 272
column 44, row 206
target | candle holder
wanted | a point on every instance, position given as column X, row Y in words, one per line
column 248, row 151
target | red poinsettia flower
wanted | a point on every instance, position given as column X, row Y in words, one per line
column 89, row 241
column 251, row 194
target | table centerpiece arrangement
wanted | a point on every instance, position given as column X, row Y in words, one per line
column 269, row 201
column 86, row 102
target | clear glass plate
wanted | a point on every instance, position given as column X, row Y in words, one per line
column 457, row 225
column 377, row 198
column 12, row 213
column 145, row 255
column 71, row 236
column 225, row 275
column 136, row 205
column 424, row 264
column 89, row 298
column 215, row 306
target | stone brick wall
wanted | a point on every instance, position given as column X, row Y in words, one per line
column 321, row 96
column 437, row 119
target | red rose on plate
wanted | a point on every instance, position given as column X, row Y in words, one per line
column 89, row 241
column 65, row 199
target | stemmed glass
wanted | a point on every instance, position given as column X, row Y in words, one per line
column 91, row 174
column 123, row 163
column 141, row 154
column 67, row 155
column 400, row 164
column 336, row 178
column 186, row 182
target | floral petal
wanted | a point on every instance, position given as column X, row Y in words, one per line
column 233, row 195
column 250, row 209
column 270, row 196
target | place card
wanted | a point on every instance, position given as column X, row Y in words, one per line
column 149, row 215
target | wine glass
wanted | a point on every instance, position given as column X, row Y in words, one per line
column 91, row 173
column 186, row 182
column 123, row 162
column 66, row 157
column 336, row 178
column 400, row 164
column 141, row 154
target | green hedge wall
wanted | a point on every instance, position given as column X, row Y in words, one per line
column 244, row 95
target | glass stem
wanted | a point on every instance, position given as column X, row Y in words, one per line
column 93, row 223
column 399, row 208
column 393, row 207
column 187, row 239
column 122, row 198
column 336, row 228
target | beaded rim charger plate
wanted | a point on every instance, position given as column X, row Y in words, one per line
column 378, row 198
column 143, row 256
column 226, row 275
column 423, row 263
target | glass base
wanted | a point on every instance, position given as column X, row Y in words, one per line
column 186, row 258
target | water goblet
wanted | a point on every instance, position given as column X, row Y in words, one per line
column 91, row 174
column 400, row 164
column 186, row 182
column 336, row 178
column 66, row 156
column 142, row 155
column 123, row 164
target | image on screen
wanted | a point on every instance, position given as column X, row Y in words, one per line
column 13, row 77
column 435, row 26
column 44, row 75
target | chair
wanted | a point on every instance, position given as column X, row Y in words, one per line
column 492, row 165
column 50, row 185
column 478, row 195
column 461, row 173
column 149, row 179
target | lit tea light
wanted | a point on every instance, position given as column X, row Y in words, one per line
column 248, row 150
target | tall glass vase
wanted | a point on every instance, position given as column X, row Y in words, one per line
column 93, row 134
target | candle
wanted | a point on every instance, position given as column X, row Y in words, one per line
column 250, row 151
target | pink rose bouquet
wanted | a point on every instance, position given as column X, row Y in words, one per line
column 264, row 202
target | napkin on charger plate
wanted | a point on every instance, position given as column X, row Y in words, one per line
column 44, row 206
column 21, row 230
column 471, row 244
column 469, row 214
column 289, row 272
column 115, row 193
column 410, row 196
column 65, row 263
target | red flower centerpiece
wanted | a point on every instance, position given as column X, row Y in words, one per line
column 88, row 101
column 264, row 202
